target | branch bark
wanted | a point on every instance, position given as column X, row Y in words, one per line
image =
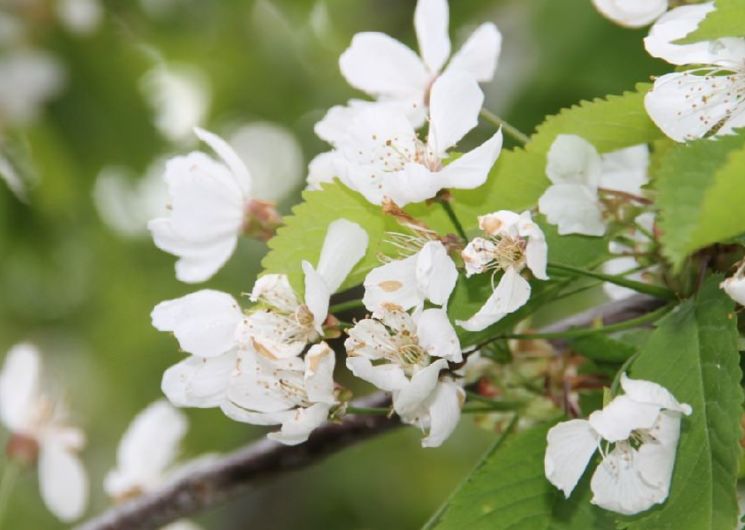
column 216, row 480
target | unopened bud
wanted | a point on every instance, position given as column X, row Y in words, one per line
column 22, row 449
column 262, row 219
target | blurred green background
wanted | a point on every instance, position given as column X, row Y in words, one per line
column 84, row 292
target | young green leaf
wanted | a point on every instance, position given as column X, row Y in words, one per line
column 727, row 20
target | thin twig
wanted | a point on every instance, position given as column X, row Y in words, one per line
column 226, row 476
column 511, row 130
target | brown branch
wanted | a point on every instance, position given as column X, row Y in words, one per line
column 226, row 476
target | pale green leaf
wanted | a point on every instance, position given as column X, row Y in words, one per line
column 727, row 20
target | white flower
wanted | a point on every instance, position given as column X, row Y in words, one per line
column 293, row 392
column 38, row 428
column 429, row 274
column 404, row 355
column 147, row 450
column 390, row 71
column 577, row 173
column 285, row 327
column 631, row 13
column 637, row 434
column 205, row 324
column 513, row 242
column 627, row 265
column 210, row 207
column 179, row 96
column 705, row 99
column 379, row 154
column 734, row 286
column 30, row 79
column 81, row 17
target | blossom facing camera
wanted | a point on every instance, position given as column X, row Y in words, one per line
column 631, row 13
column 40, row 434
column 211, row 206
column 512, row 243
column 637, row 435
column 391, row 72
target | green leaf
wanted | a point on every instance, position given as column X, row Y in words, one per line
column 701, row 195
column 694, row 354
column 727, row 20
column 508, row 490
column 303, row 232
column 602, row 348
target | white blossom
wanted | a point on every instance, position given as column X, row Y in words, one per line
column 404, row 355
column 30, row 78
column 631, row 13
column 377, row 151
column 429, row 274
column 81, row 17
column 637, row 435
column 512, row 243
column 734, row 286
column 292, row 392
column 578, row 173
column 211, row 206
column 284, row 327
column 391, row 72
column 705, row 99
column 40, row 433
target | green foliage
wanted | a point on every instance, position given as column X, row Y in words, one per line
column 701, row 193
column 602, row 348
column 508, row 490
column 694, row 354
column 727, row 20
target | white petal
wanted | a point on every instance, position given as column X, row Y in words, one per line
column 381, row 66
column 573, row 160
column 444, row 412
column 536, row 251
column 617, row 484
column 319, row 373
column 435, row 273
column 631, row 13
column 322, row 169
column 230, row 157
column 19, row 387
column 437, row 336
column 393, row 283
column 273, row 335
column 571, row 444
column 477, row 255
column 345, row 245
column 687, row 106
column 643, row 391
column 455, row 101
column 502, row 223
column 478, row 56
column 573, row 208
column 512, row 292
column 147, row 449
column 471, row 170
column 297, row 428
column 656, row 458
column 387, row 377
column 204, row 322
column 415, row 183
column 276, row 291
column 198, row 382
column 369, row 338
column 620, row 417
column 626, row 169
column 412, row 397
column 63, row 481
column 734, row 287
column 678, row 23
column 621, row 266
column 431, row 24
column 317, row 296
column 238, row 413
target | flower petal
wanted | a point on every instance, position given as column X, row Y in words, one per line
column 651, row 393
column 444, row 413
column 19, row 387
column 319, row 373
column 435, row 273
column 63, row 480
column 455, row 101
column 656, row 457
column 230, row 157
column 322, row 169
column 571, row 444
column 437, row 336
column 536, row 251
column 479, row 54
column 369, row 338
column 734, row 287
column 276, row 291
column 631, row 13
column 272, row 335
column 317, row 296
column 431, row 24
column 626, row 169
column 620, row 417
column 345, row 245
column 381, row 66
column 204, row 322
column 512, row 292
column 573, row 208
column 198, row 382
column 297, row 427
column 573, row 160
column 393, row 283
column 470, row 170
column 387, row 377
column 408, row 400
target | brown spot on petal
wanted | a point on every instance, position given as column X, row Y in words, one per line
column 390, row 285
